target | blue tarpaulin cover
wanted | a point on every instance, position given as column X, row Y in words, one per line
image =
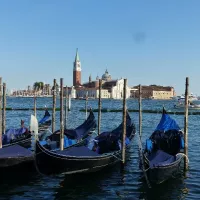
column 45, row 118
column 12, row 134
column 14, row 151
column 167, row 136
column 68, row 142
column 167, row 123
column 160, row 158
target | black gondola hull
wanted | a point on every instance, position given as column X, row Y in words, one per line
column 15, row 159
column 17, row 168
column 160, row 174
column 82, row 159
column 70, row 165
column 49, row 162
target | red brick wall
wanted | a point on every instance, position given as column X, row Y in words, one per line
column 76, row 78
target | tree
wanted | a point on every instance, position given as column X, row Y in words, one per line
column 57, row 88
column 38, row 86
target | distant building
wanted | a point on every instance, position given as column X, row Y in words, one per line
column 133, row 92
column 153, row 92
column 71, row 92
column 116, row 88
column 106, row 76
column 110, row 88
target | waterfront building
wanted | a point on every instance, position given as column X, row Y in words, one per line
column 92, row 93
column 153, row 92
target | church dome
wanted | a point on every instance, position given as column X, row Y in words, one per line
column 106, row 76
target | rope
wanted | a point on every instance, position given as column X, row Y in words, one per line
column 117, row 157
column 147, row 169
column 142, row 159
column 183, row 155
column 93, row 132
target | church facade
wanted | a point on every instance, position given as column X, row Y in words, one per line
column 111, row 88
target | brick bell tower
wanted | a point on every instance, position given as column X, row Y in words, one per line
column 77, row 71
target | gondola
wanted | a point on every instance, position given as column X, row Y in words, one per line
column 15, row 158
column 22, row 136
column 45, row 122
column 102, row 151
column 162, row 154
column 71, row 136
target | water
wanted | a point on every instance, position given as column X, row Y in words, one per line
column 110, row 183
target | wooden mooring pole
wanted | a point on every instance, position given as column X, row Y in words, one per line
column 35, row 99
column 61, row 116
column 99, row 113
column 124, row 124
column 86, row 104
column 186, row 123
column 66, row 105
column 69, row 102
column 54, row 106
column 140, row 111
column 0, row 112
column 140, row 138
column 4, row 109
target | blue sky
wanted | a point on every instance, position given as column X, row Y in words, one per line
column 147, row 42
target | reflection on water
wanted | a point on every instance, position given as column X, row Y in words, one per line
column 111, row 183
column 174, row 188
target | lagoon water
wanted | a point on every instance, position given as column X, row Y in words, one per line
column 110, row 183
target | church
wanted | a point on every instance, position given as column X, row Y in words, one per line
column 111, row 88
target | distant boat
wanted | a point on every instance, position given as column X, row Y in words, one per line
column 191, row 105
column 192, row 97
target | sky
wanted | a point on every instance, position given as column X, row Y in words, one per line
column 147, row 42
